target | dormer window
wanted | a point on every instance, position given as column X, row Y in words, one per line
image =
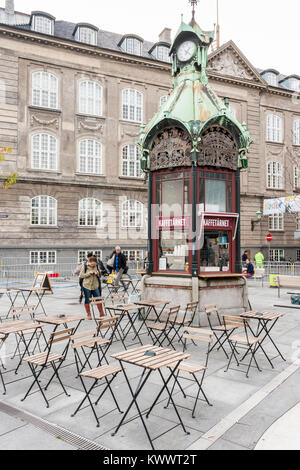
column 132, row 45
column 42, row 23
column 271, row 78
column 161, row 52
column 292, row 83
column 86, row 34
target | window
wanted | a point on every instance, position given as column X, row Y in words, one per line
column 134, row 255
column 294, row 84
column 132, row 105
column 44, row 152
column 82, row 254
column 86, row 35
column 162, row 53
column 43, row 257
column 297, row 132
column 42, row 24
column 271, row 78
column 163, row 100
column 90, row 98
column 90, row 157
column 132, row 214
column 43, row 211
column 90, row 213
column 276, row 255
column 274, row 128
column 276, row 223
column 131, row 162
column 44, row 90
column 132, row 46
column 297, row 177
column 216, row 191
column 275, row 176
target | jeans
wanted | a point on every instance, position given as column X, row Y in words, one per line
column 90, row 293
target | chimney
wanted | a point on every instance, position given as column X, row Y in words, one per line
column 165, row 36
column 10, row 7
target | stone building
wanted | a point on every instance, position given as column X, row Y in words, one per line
column 72, row 99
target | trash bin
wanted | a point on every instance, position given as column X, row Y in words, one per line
column 273, row 280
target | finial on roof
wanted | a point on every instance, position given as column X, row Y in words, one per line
column 193, row 3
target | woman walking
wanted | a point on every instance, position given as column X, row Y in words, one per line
column 91, row 285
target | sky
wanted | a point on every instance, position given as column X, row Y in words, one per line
column 266, row 31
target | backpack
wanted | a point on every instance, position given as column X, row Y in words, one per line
column 85, row 270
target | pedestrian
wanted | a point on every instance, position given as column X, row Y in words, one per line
column 110, row 262
column 259, row 260
column 245, row 257
column 249, row 271
column 90, row 275
column 120, row 264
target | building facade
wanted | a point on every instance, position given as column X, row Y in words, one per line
column 72, row 100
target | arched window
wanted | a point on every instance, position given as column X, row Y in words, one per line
column 275, row 176
column 44, row 90
column 44, row 152
column 132, row 45
column 90, row 212
column 271, row 78
column 43, row 24
column 90, row 98
column 274, row 128
column 132, row 105
column 132, row 214
column 86, row 35
column 43, row 211
column 90, row 157
column 161, row 52
column 297, row 132
column 131, row 162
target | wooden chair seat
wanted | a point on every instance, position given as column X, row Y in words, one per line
column 225, row 328
column 101, row 372
column 90, row 343
column 191, row 368
column 42, row 359
column 159, row 326
column 243, row 339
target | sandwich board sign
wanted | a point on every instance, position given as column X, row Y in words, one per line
column 42, row 282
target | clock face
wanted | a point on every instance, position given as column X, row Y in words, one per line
column 186, row 51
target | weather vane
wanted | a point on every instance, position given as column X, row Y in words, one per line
column 193, row 4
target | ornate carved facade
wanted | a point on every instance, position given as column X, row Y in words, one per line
column 171, row 149
column 218, row 148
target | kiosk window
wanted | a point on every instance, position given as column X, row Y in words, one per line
column 216, row 191
column 215, row 254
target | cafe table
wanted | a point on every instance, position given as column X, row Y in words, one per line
column 150, row 359
column 266, row 323
column 12, row 295
column 152, row 306
column 56, row 321
column 130, row 313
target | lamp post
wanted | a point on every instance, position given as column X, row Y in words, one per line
column 259, row 216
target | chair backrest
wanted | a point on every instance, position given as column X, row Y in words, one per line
column 212, row 311
column 191, row 310
column 82, row 336
column 59, row 337
column 118, row 298
column 107, row 323
column 199, row 335
column 97, row 300
column 173, row 313
column 18, row 312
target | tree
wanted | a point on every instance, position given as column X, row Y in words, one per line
column 11, row 178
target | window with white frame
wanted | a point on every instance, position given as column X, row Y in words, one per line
column 274, row 128
column 44, row 90
column 90, row 157
column 43, row 24
column 132, row 46
column 132, row 105
column 134, row 255
column 276, row 222
column 132, row 214
column 297, row 177
column 90, row 212
column 162, row 53
column 275, row 175
column 163, row 100
column 131, row 162
column 297, row 132
column 82, row 254
column 44, row 211
column 43, row 152
column 271, row 78
column 43, row 257
column 294, row 84
column 276, row 255
column 90, row 98
column 86, row 35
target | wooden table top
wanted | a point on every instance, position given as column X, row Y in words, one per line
column 152, row 303
column 268, row 316
column 18, row 327
column 54, row 320
column 122, row 308
column 164, row 357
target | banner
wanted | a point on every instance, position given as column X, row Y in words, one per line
column 283, row 205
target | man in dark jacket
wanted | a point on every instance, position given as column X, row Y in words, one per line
column 120, row 265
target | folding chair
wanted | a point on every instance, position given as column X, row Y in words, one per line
column 89, row 343
column 200, row 336
column 118, row 299
column 48, row 360
column 108, row 373
column 110, row 325
column 160, row 332
column 246, row 341
column 18, row 313
column 221, row 332
column 186, row 319
column 99, row 303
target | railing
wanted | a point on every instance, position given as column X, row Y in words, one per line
column 282, row 268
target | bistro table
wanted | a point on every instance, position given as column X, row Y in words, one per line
column 266, row 323
column 21, row 329
column 151, row 306
column 56, row 321
column 131, row 312
column 151, row 359
column 12, row 295
column 40, row 293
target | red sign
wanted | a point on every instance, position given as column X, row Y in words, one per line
column 218, row 222
column 269, row 238
column 166, row 223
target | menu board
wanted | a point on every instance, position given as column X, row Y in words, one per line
column 42, row 281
